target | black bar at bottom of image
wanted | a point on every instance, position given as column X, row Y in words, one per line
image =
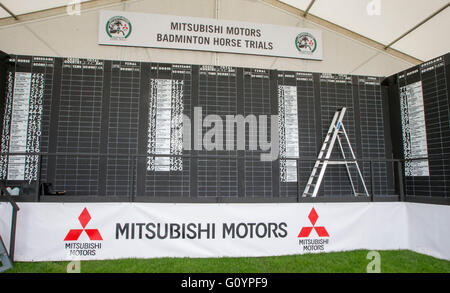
column 223, row 282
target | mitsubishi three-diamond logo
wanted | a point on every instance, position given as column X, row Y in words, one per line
column 306, row 241
column 84, row 219
column 77, row 249
column 320, row 230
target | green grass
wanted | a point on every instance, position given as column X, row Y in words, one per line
column 399, row 261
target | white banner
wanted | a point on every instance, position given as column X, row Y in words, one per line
column 87, row 231
column 429, row 229
column 121, row 28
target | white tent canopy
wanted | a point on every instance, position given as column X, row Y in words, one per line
column 386, row 20
column 380, row 20
column 19, row 7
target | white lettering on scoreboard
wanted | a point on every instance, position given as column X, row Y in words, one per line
column 19, row 125
column 165, row 125
column 288, row 128
column 121, row 28
column 414, row 130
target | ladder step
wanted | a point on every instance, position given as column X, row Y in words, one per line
column 341, row 162
column 336, row 163
column 360, row 194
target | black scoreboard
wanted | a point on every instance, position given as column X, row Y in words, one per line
column 420, row 112
column 102, row 129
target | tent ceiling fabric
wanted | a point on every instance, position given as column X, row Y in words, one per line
column 395, row 18
column 19, row 7
column 428, row 41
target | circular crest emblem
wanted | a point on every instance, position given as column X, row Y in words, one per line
column 306, row 43
column 118, row 28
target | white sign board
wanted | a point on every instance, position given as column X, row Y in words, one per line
column 95, row 231
column 121, row 28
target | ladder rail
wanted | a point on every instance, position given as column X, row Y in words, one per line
column 327, row 137
column 335, row 133
column 356, row 162
column 321, row 152
column 348, row 142
column 341, row 114
column 346, row 166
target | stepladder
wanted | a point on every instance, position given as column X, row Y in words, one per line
column 336, row 132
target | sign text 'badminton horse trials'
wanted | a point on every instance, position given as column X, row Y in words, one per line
column 122, row 28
